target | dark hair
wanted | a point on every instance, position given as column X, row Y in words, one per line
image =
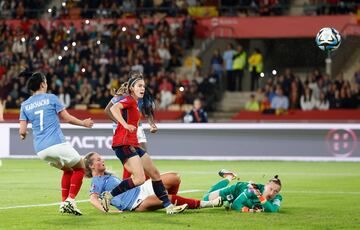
column 275, row 180
column 34, row 82
column 148, row 105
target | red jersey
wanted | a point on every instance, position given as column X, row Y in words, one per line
column 131, row 115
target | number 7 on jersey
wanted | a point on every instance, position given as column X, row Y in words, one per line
column 41, row 113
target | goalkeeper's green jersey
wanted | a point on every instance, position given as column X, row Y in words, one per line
column 238, row 196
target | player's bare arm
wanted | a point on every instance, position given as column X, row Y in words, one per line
column 116, row 112
column 108, row 112
column 23, row 129
column 88, row 123
column 153, row 127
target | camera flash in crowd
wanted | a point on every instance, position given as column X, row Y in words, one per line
column 49, row 10
column 137, row 37
column 37, row 38
column 23, row 39
column 98, row 42
column 63, row 4
column 274, row 72
column 60, row 58
column 181, row 89
column 262, row 74
column 66, row 48
column 123, row 29
column 83, row 70
column 73, row 44
column 68, row 31
column 87, row 21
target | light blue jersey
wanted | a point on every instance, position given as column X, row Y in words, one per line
column 123, row 201
column 228, row 58
column 115, row 100
column 41, row 110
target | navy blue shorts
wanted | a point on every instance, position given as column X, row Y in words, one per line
column 125, row 152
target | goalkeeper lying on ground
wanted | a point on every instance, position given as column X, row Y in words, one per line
column 246, row 196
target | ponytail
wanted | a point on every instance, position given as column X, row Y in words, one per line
column 124, row 89
column 276, row 180
column 148, row 105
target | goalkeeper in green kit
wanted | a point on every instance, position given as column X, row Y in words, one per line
column 246, row 196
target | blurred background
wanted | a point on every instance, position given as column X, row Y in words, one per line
column 230, row 58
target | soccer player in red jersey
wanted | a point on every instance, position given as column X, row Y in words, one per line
column 127, row 148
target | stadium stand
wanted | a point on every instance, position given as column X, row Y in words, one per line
column 86, row 52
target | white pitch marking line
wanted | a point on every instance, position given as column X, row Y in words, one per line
column 78, row 201
column 37, row 205
column 190, row 191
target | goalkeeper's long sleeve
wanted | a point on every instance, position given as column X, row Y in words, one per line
column 240, row 202
column 271, row 205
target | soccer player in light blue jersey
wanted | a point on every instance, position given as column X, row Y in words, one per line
column 42, row 110
column 141, row 198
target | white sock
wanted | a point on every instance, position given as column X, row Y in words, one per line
column 70, row 199
column 205, row 204
column 169, row 206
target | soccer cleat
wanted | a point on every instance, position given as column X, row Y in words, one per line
column 217, row 202
column 173, row 209
column 70, row 207
column 226, row 173
column 62, row 208
column 105, row 200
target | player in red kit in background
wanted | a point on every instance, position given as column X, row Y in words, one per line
column 127, row 148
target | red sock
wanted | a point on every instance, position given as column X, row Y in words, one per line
column 179, row 200
column 174, row 189
column 76, row 182
column 65, row 184
column 126, row 174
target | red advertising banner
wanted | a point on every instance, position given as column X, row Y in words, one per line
column 271, row 27
column 235, row 27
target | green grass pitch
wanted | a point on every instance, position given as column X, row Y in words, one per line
column 316, row 196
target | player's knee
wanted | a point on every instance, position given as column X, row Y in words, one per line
column 155, row 174
column 213, row 195
column 139, row 180
column 177, row 178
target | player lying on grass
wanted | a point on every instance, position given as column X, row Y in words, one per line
column 246, row 196
column 141, row 198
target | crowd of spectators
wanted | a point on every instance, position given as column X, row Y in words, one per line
column 317, row 92
column 283, row 91
column 18, row 9
column 330, row 7
column 110, row 9
column 127, row 8
column 84, row 65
